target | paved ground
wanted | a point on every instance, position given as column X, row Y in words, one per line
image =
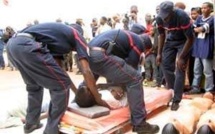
column 12, row 88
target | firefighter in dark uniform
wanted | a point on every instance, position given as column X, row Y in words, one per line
column 32, row 51
column 175, row 40
column 115, row 55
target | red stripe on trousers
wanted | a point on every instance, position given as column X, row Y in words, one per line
column 54, row 74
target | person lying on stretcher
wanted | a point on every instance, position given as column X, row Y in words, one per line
column 13, row 113
column 185, row 119
column 115, row 97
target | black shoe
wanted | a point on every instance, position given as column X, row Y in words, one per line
column 30, row 128
column 175, row 106
column 146, row 128
column 194, row 91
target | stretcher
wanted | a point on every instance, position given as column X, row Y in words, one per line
column 72, row 123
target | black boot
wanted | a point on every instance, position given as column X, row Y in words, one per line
column 175, row 106
column 146, row 128
column 30, row 128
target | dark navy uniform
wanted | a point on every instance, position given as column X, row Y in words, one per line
column 128, row 45
column 118, row 65
column 32, row 51
column 177, row 30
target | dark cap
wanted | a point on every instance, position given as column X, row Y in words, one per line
column 78, row 28
column 146, row 40
column 166, row 8
column 138, row 29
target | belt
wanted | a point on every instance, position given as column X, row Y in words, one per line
column 24, row 35
column 97, row 49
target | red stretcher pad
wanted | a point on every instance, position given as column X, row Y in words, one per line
column 70, row 121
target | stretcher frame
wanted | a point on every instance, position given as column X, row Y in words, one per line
column 126, row 125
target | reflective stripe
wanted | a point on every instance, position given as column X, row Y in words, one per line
column 131, row 43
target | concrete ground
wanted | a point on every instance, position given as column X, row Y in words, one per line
column 12, row 88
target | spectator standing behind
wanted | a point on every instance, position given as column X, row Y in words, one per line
column 103, row 26
column 125, row 21
column 175, row 29
column 117, row 24
column 150, row 57
column 133, row 17
column 2, row 63
column 195, row 12
column 7, row 35
column 78, row 24
column 94, row 26
column 36, row 22
column 59, row 20
column 149, row 26
column 203, row 49
column 150, row 66
column 180, row 5
column 159, row 77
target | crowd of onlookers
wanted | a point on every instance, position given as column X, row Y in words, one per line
column 197, row 67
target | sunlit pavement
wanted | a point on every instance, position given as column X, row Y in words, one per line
column 12, row 88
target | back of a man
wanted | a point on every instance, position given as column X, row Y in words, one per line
column 115, row 55
column 35, row 52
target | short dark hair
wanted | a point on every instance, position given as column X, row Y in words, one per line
column 197, row 9
column 205, row 129
column 104, row 18
column 210, row 5
column 169, row 129
column 84, row 97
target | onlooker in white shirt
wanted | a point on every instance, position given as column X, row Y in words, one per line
column 103, row 26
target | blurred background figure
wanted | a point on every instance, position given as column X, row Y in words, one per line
column 180, row 5
column 2, row 63
column 133, row 17
column 9, row 32
column 59, row 20
column 149, row 26
column 195, row 12
column 117, row 23
column 94, row 26
column 29, row 24
column 103, row 25
column 36, row 22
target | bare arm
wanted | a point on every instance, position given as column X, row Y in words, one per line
column 161, row 40
column 187, row 46
column 59, row 62
column 181, row 64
